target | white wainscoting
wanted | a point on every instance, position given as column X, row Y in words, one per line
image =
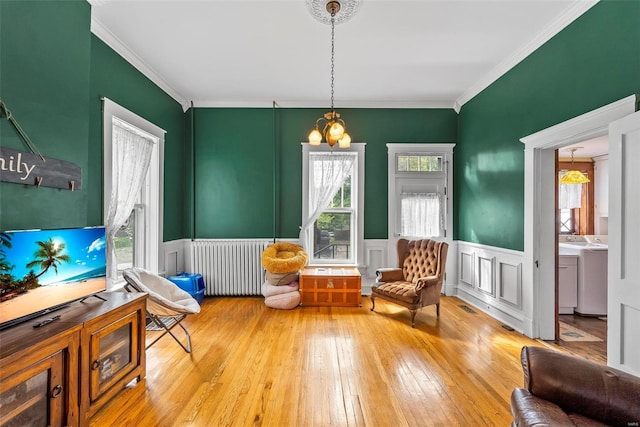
column 490, row 279
column 375, row 257
column 175, row 254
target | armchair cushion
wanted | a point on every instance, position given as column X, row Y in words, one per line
column 402, row 291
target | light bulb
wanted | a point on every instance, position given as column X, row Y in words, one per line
column 336, row 131
column 345, row 141
column 315, row 138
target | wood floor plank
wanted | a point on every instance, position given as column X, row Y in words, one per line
column 320, row 366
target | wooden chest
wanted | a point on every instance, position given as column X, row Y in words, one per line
column 331, row 286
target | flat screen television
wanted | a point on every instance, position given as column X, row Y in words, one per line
column 44, row 270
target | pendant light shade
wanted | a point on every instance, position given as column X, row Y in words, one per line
column 573, row 176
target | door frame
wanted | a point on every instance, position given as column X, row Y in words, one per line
column 539, row 301
column 445, row 149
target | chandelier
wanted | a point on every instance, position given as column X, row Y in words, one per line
column 334, row 129
column 573, row 176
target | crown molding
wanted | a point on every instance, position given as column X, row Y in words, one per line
column 323, row 104
column 572, row 13
column 123, row 50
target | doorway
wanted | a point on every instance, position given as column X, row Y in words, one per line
column 539, row 267
column 581, row 218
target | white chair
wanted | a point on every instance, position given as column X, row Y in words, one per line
column 165, row 301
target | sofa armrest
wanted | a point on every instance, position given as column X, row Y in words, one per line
column 529, row 410
column 581, row 386
column 425, row 282
column 389, row 275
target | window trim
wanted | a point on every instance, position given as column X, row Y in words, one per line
column 358, row 185
column 394, row 149
column 154, row 188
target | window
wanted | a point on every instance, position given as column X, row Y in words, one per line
column 133, row 153
column 568, row 221
column 332, row 230
column 418, row 183
column 418, row 163
column 573, row 206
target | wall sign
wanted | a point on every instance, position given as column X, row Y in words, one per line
column 29, row 169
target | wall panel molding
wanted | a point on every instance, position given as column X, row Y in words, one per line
column 490, row 279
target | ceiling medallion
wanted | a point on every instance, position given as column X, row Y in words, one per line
column 318, row 9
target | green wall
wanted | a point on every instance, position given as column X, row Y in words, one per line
column 591, row 63
column 45, row 50
column 53, row 72
column 116, row 79
column 234, row 165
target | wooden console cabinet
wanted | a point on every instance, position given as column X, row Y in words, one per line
column 61, row 373
column 330, row 286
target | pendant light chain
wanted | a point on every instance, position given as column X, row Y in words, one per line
column 333, row 18
column 335, row 129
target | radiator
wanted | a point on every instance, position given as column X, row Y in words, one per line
column 229, row 267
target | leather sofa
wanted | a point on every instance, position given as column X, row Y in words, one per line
column 564, row 390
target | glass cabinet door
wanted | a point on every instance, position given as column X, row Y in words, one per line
column 34, row 396
column 114, row 353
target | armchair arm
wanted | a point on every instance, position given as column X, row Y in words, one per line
column 425, row 282
column 389, row 275
column 529, row 410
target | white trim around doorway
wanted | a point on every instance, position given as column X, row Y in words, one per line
column 539, row 229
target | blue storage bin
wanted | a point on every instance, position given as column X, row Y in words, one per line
column 191, row 283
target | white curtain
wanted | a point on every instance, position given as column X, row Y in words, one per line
column 569, row 195
column 328, row 172
column 420, row 215
column 131, row 156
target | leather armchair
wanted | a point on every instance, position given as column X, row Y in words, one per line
column 417, row 281
column 564, row 390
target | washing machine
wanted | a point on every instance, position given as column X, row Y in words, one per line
column 592, row 277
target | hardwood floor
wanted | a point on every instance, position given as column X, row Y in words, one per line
column 595, row 351
column 252, row 365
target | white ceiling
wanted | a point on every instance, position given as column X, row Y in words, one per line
column 393, row 53
column 586, row 149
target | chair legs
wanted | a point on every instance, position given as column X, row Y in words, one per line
column 167, row 329
column 413, row 312
column 413, row 318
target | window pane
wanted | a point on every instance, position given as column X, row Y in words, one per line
column 342, row 199
column 333, row 236
column 431, row 163
column 566, row 221
column 414, row 163
column 124, row 242
column 403, row 163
